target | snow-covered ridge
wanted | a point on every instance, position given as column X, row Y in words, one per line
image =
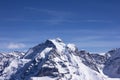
column 55, row 60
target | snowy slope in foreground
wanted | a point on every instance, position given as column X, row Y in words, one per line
column 54, row 60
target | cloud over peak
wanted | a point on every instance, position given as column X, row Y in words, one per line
column 15, row 45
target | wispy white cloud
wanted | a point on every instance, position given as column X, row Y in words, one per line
column 62, row 16
column 48, row 11
column 16, row 45
column 56, row 17
column 57, row 20
column 97, row 20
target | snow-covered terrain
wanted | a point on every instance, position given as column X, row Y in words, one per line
column 55, row 60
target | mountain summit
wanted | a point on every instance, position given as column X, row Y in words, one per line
column 55, row 60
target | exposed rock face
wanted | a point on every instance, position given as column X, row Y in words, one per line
column 88, row 60
column 112, row 65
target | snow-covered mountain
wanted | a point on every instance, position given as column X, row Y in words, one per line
column 55, row 60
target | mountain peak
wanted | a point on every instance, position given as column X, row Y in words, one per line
column 56, row 44
column 113, row 53
column 60, row 46
column 56, row 39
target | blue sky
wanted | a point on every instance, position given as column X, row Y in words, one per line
column 92, row 25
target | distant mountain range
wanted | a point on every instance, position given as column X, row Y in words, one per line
column 55, row 60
